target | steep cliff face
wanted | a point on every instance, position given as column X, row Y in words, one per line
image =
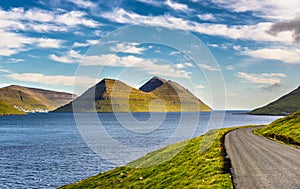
column 157, row 95
column 286, row 104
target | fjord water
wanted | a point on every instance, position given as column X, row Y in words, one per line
column 47, row 150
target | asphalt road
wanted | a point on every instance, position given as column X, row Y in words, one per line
column 258, row 162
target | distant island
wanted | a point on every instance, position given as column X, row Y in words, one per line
column 285, row 105
column 156, row 95
column 15, row 100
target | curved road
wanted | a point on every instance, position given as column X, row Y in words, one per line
column 258, row 162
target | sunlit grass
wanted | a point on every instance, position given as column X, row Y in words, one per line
column 286, row 129
column 183, row 166
column 7, row 109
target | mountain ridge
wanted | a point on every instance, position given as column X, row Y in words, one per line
column 28, row 99
column 286, row 104
column 110, row 95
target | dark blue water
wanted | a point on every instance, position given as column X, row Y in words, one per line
column 47, row 150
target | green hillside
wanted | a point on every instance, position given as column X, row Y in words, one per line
column 286, row 129
column 111, row 95
column 187, row 169
column 7, row 109
column 31, row 99
column 178, row 98
column 287, row 104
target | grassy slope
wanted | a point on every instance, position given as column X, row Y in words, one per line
column 287, row 104
column 179, row 99
column 6, row 109
column 20, row 99
column 286, row 129
column 30, row 99
column 187, row 169
column 116, row 96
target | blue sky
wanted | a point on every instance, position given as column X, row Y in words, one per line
column 255, row 43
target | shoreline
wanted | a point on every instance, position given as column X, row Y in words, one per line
column 184, row 162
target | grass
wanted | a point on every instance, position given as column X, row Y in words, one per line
column 286, row 130
column 7, row 109
column 31, row 99
column 115, row 96
column 287, row 104
column 184, row 166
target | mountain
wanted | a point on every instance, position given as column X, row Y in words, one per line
column 153, row 84
column 111, row 95
column 33, row 100
column 7, row 109
column 286, row 129
column 286, row 104
column 178, row 98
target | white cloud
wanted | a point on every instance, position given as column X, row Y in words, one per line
column 48, row 43
column 58, row 80
column 177, row 6
column 256, row 32
column 127, row 48
column 174, row 53
column 15, row 60
column 188, row 64
column 285, row 55
column 4, row 70
column 207, row 17
column 87, row 43
column 213, row 45
column 184, row 65
column 169, row 3
column 151, row 2
column 43, row 21
column 83, row 3
column 12, row 43
column 237, row 47
column 71, row 57
column 280, row 10
column 264, row 78
column 209, row 68
column 74, row 18
column 179, row 66
column 200, row 87
column 229, row 67
column 151, row 66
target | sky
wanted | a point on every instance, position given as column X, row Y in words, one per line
column 246, row 51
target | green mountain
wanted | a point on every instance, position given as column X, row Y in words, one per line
column 31, row 99
column 286, row 129
column 178, row 98
column 111, row 95
column 7, row 109
column 287, row 104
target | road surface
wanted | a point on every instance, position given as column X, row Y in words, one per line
column 258, row 162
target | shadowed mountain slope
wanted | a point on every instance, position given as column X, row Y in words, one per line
column 179, row 98
column 111, row 95
column 286, row 104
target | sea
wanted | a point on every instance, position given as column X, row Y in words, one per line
column 48, row 150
